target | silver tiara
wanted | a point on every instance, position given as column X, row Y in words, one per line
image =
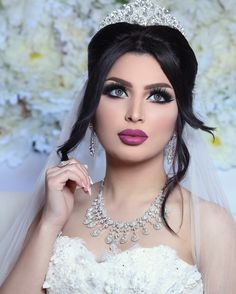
column 142, row 12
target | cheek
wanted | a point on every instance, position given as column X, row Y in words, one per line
column 165, row 119
column 105, row 114
column 167, row 122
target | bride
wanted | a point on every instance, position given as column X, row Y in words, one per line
column 155, row 220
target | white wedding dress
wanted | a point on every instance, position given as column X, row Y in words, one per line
column 73, row 269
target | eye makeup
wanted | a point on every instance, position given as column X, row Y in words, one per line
column 160, row 93
column 108, row 88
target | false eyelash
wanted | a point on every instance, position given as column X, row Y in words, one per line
column 161, row 92
column 112, row 86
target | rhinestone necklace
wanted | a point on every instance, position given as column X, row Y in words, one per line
column 96, row 216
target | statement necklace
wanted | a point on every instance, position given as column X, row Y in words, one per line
column 96, row 216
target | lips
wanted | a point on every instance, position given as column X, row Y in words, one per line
column 132, row 137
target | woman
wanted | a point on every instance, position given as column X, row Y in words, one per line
column 154, row 224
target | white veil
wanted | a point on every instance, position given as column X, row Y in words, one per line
column 213, row 226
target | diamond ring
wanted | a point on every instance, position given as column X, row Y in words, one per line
column 63, row 163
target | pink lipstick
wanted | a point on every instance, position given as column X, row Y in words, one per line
column 132, row 137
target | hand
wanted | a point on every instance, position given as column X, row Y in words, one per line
column 61, row 183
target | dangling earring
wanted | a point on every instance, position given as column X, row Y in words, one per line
column 170, row 149
column 92, row 146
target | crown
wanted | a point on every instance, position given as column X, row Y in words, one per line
column 142, row 12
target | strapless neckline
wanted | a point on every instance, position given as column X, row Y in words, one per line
column 119, row 253
column 74, row 269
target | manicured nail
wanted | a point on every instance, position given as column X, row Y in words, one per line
column 91, row 181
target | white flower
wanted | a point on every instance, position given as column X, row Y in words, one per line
column 3, row 31
column 221, row 148
column 36, row 53
column 43, row 53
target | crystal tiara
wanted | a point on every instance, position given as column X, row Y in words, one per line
column 142, row 12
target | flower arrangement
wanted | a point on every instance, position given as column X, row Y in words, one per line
column 43, row 53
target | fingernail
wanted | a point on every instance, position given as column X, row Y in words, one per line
column 86, row 166
column 91, row 181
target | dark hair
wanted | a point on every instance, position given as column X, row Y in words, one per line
column 177, row 60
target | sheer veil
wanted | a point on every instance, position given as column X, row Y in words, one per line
column 212, row 223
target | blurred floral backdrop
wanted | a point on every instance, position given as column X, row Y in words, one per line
column 43, row 54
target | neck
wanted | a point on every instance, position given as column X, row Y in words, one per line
column 131, row 183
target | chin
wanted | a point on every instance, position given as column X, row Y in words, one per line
column 131, row 156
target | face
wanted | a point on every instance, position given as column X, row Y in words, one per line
column 137, row 112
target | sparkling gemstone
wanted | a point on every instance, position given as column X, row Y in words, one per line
column 120, row 225
column 123, row 239
column 144, row 13
column 110, row 222
column 95, row 233
column 141, row 223
column 108, row 239
column 134, row 238
column 91, row 225
column 117, row 236
column 145, row 231
column 157, row 226
column 87, row 221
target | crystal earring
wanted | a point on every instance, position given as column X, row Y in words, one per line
column 92, row 146
column 170, row 149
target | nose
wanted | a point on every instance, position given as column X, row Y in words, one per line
column 135, row 111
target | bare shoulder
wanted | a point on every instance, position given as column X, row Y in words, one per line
column 214, row 212
column 216, row 219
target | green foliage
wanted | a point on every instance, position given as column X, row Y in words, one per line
column 122, row 1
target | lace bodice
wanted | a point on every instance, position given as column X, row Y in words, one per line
column 74, row 269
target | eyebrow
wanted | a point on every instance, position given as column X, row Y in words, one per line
column 129, row 85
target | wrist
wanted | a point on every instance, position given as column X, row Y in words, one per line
column 48, row 227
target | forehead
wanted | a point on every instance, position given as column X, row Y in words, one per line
column 138, row 68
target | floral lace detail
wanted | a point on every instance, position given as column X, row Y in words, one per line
column 73, row 269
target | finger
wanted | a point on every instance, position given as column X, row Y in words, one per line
column 84, row 167
column 59, row 181
column 79, row 174
column 81, row 167
column 76, row 168
column 72, row 161
column 69, row 161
